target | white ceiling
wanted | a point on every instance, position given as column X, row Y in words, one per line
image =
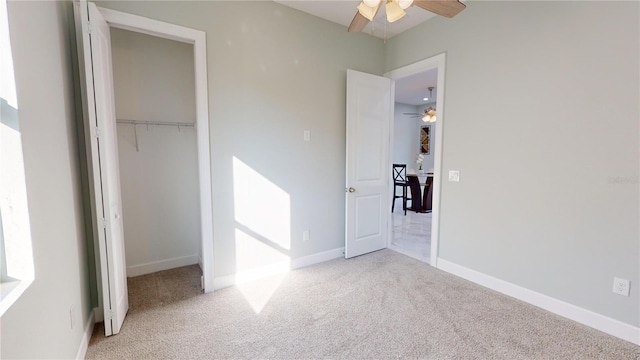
column 413, row 89
column 343, row 11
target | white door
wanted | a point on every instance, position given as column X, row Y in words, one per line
column 103, row 152
column 369, row 112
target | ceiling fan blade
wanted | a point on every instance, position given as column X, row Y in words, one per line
column 446, row 8
column 416, row 114
column 358, row 23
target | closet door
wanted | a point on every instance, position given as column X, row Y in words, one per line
column 95, row 54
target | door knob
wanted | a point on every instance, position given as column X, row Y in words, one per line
column 352, row 190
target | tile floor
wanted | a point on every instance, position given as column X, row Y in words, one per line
column 412, row 234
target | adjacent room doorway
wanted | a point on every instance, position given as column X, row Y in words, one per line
column 416, row 234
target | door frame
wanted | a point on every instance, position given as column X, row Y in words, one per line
column 197, row 38
column 434, row 62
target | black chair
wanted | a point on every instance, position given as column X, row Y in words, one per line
column 416, row 193
column 399, row 180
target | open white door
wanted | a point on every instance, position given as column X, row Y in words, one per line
column 369, row 112
column 94, row 46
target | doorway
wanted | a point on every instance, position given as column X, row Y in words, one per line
column 416, row 234
column 154, row 91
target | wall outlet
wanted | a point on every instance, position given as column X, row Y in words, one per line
column 305, row 235
column 454, row 175
column 621, row 286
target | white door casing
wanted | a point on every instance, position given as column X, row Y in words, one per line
column 197, row 38
column 435, row 62
column 369, row 113
column 102, row 143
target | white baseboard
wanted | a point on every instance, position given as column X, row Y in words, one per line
column 86, row 336
column 155, row 266
column 277, row 268
column 586, row 317
column 317, row 258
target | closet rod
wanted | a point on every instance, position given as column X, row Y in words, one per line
column 138, row 122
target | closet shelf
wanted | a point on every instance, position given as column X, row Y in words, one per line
column 157, row 123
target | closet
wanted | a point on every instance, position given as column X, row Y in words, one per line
column 154, row 87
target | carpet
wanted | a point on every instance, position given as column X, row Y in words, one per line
column 377, row 306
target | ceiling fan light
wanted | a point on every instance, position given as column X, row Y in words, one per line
column 367, row 11
column 372, row 3
column 429, row 115
column 405, row 3
column 394, row 11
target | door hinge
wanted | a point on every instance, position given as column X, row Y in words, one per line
column 89, row 27
column 102, row 223
column 109, row 315
column 96, row 132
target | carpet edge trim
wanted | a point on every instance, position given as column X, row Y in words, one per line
column 586, row 317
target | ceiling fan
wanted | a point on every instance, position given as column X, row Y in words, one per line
column 429, row 114
column 368, row 9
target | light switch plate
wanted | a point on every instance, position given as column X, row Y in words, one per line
column 454, row 175
column 307, row 135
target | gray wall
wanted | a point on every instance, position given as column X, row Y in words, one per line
column 274, row 72
column 38, row 324
column 541, row 118
column 406, row 136
column 154, row 81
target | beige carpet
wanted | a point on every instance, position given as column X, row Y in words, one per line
column 380, row 305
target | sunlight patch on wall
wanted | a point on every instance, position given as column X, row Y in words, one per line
column 261, row 206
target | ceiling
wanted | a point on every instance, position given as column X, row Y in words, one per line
column 413, row 89
column 343, row 11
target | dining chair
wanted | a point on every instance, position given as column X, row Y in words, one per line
column 399, row 174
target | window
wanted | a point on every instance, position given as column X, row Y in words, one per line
column 16, row 257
